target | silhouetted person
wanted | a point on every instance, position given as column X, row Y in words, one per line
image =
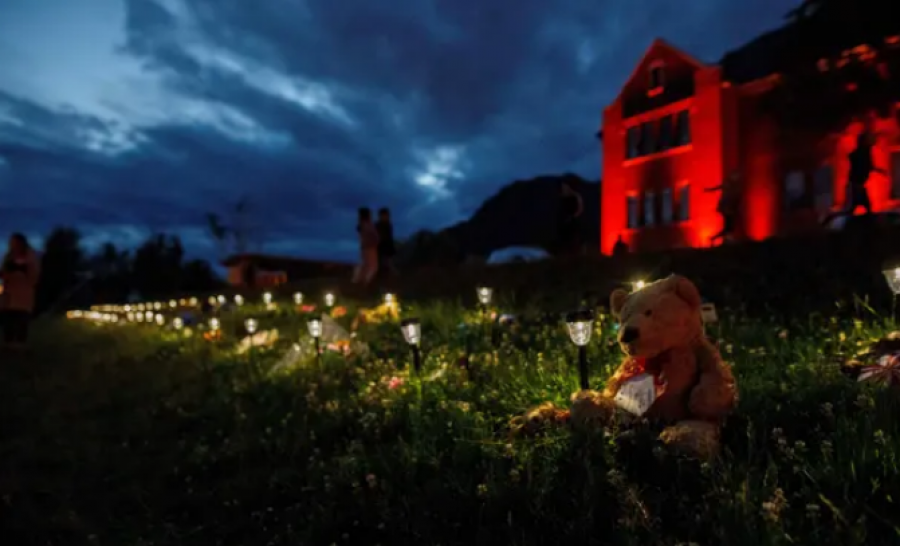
column 620, row 248
column 861, row 167
column 386, row 246
column 20, row 272
column 368, row 248
column 729, row 204
column 571, row 207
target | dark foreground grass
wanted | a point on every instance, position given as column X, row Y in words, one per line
column 128, row 435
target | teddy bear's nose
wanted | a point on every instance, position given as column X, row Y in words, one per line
column 629, row 334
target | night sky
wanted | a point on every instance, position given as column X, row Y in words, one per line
column 127, row 117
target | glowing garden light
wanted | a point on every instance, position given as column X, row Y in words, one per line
column 412, row 333
column 178, row 323
column 389, row 299
column 484, row 294
column 251, row 325
column 173, row 304
column 160, row 320
column 220, row 300
column 638, row 285
column 193, row 302
column 329, row 299
column 314, row 327
column 298, row 298
column 211, row 300
column 214, row 324
column 892, row 276
column 149, row 316
column 157, row 305
column 267, row 298
column 238, row 300
column 580, row 325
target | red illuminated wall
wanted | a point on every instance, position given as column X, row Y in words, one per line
column 700, row 164
column 728, row 133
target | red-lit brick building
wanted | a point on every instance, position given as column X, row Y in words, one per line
column 679, row 126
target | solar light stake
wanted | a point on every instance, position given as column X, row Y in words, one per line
column 412, row 333
column 580, row 325
column 314, row 326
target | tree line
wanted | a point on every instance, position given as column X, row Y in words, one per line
column 71, row 275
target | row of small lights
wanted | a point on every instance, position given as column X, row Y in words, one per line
column 580, row 325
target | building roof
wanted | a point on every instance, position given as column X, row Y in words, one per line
column 756, row 59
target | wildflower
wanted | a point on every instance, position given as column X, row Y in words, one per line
column 783, row 334
column 879, row 437
column 772, row 509
column 482, row 490
column 395, row 382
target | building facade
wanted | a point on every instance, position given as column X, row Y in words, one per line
column 679, row 127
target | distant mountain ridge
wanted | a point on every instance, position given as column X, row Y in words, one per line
column 523, row 213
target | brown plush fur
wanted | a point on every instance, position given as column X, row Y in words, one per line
column 666, row 332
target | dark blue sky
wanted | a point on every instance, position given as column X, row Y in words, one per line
column 125, row 117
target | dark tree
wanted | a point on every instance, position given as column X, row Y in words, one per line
column 63, row 266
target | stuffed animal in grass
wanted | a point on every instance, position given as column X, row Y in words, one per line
column 671, row 373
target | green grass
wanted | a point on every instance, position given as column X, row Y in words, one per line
column 130, row 435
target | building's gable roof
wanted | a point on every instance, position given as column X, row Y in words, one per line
column 658, row 44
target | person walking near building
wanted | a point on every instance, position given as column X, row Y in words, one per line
column 861, row 167
column 368, row 246
column 20, row 272
column 729, row 205
column 571, row 207
column 386, row 246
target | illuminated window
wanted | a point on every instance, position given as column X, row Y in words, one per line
column 633, row 144
column 683, row 128
column 632, row 211
column 649, row 209
column 657, row 76
column 895, row 174
column 666, row 129
column 667, row 213
column 684, row 203
column 824, row 188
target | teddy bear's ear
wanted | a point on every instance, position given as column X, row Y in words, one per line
column 617, row 301
column 686, row 290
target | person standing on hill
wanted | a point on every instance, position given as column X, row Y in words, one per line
column 861, row 167
column 368, row 246
column 20, row 272
column 571, row 208
column 729, row 205
column 386, row 246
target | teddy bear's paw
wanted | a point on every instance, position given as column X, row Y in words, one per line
column 695, row 438
column 591, row 409
column 537, row 420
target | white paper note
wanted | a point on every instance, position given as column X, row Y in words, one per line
column 637, row 394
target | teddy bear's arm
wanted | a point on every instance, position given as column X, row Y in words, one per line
column 715, row 395
column 627, row 369
column 679, row 373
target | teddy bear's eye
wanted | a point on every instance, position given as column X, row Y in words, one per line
column 648, row 312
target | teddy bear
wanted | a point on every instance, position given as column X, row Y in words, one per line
column 686, row 386
column 671, row 373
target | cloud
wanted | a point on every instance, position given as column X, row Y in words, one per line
column 129, row 117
